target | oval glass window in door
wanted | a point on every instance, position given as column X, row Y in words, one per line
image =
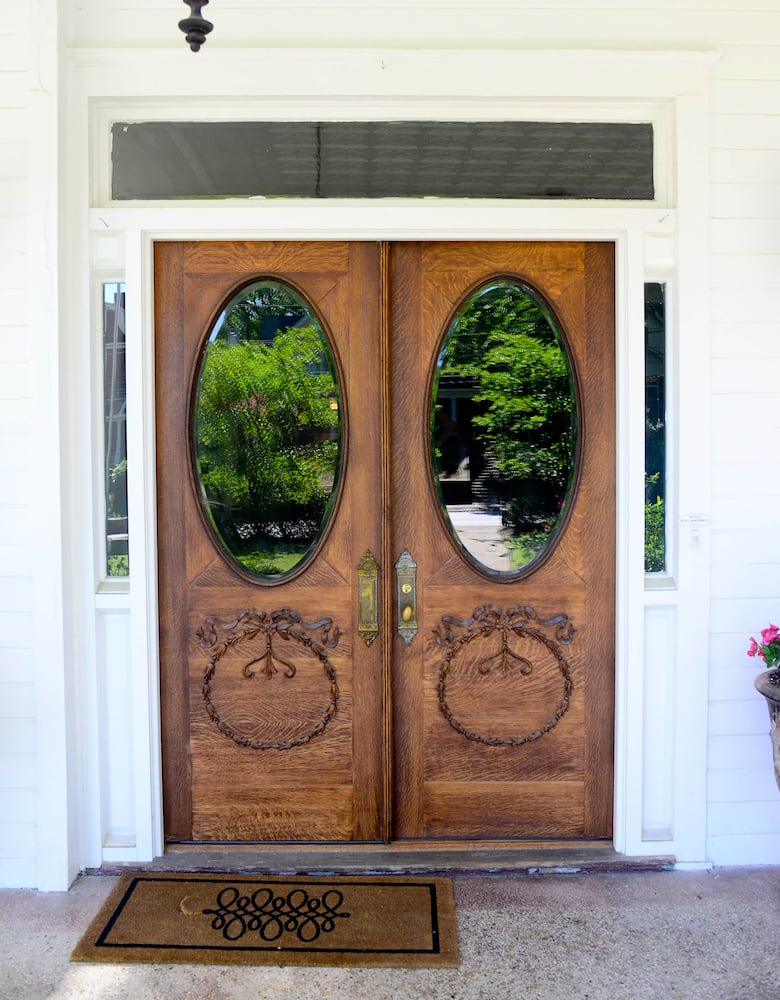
column 266, row 430
column 504, row 428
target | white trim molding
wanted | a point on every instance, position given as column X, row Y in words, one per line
column 659, row 789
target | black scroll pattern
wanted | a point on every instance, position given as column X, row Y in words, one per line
column 270, row 916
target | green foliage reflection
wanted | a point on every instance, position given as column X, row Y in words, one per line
column 266, row 430
column 505, row 383
column 655, row 525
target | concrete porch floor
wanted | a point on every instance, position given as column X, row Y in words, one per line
column 665, row 935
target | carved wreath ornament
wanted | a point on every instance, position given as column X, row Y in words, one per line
column 520, row 623
column 271, row 629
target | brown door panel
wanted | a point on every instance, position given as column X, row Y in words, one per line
column 372, row 741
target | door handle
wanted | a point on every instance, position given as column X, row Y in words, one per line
column 406, row 577
column 368, row 597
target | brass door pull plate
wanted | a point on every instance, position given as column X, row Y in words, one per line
column 406, row 574
column 368, row 597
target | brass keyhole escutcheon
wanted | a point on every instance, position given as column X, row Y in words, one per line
column 406, row 570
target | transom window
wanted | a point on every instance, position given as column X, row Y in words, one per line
column 406, row 159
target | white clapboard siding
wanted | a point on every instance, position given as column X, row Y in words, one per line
column 18, row 821
column 609, row 24
column 732, row 201
column 744, row 804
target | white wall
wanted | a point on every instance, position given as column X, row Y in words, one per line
column 33, row 774
column 744, row 802
column 17, row 660
column 36, row 658
column 540, row 24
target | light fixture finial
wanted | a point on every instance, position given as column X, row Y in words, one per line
column 195, row 27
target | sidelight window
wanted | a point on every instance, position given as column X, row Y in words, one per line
column 655, row 427
column 115, row 429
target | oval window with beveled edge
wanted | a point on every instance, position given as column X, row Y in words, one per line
column 504, row 428
column 267, row 430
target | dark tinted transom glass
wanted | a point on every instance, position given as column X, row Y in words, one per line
column 408, row 159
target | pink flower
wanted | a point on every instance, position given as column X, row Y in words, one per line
column 768, row 649
column 770, row 634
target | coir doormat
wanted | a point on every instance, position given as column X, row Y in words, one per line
column 270, row 920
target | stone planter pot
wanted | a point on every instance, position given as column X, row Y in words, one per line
column 771, row 693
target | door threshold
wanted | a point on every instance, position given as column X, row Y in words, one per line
column 407, row 858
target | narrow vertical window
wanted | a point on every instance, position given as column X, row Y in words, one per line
column 115, row 429
column 655, row 428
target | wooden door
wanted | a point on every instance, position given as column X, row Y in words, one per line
column 503, row 703
column 399, row 735
column 272, row 708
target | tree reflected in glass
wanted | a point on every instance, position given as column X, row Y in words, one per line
column 504, row 427
column 266, row 429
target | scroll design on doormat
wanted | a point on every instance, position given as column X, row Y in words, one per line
column 285, row 625
column 270, row 916
column 522, row 622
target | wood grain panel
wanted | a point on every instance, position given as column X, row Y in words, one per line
column 507, row 809
column 600, row 706
column 171, row 356
column 323, row 260
column 277, row 813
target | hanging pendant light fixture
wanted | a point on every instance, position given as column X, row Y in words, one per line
column 195, row 27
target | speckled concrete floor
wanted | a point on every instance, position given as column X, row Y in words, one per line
column 637, row 936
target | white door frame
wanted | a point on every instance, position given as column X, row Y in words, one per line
column 660, row 735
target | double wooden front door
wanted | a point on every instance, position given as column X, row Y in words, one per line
column 483, row 706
